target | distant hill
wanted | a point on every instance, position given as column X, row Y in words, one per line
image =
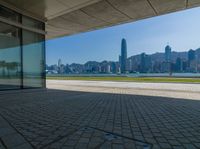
column 161, row 56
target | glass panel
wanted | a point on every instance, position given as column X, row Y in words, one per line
column 10, row 65
column 33, row 59
column 9, row 14
column 32, row 23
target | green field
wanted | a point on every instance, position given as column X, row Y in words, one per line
column 129, row 79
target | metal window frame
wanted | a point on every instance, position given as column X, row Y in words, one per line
column 22, row 12
column 19, row 25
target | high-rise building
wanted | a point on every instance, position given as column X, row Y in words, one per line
column 168, row 52
column 192, row 63
column 123, row 56
column 59, row 62
column 191, row 55
column 119, row 59
column 145, row 63
column 179, row 65
column 59, row 66
column 142, row 63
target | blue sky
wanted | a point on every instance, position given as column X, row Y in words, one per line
column 181, row 30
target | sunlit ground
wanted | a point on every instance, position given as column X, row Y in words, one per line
column 129, row 79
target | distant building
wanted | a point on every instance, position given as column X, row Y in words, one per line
column 59, row 66
column 168, row 52
column 191, row 55
column 156, row 66
column 142, row 63
column 179, row 65
column 123, row 59
column 108, row 69
column 166, row 67
column 145, row 63
column 192, row 63
column 62, row 69
column 120, row 59
column 129, row 65
column 113, row 67
column 59, row 62
column 167, row 62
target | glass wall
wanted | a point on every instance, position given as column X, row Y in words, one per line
column 9, row 14
column 22, row 52
column 33, row 59
column 10, row 60
column 32, row 23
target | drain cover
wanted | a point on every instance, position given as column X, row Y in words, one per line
column 109, row 137
column 146, row 147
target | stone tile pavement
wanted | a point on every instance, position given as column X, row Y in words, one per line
column 54, row 119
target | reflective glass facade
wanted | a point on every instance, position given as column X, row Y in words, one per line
column 33, row 59
column 22, row 52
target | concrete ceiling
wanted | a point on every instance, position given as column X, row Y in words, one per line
column 66, row 17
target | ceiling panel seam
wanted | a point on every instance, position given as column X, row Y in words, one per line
column 154, row 9
column 80, row 23
column 68, row 10
column 58, row 27
column 117, row 9
column 62, row 3
column 94, row 16
column 73, row 21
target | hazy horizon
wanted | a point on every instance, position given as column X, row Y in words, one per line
column 179, row 30
column 115, row 60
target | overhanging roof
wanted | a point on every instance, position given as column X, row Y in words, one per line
column 66, row 17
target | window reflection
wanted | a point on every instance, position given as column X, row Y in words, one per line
column 9, row 14
column 33, row 59
column 9, row 57
column 32, row 23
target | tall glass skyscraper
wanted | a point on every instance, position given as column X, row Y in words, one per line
column 123, row 56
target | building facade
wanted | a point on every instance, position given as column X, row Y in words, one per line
column 168, row 52
column 123, row 62
column 22, row 51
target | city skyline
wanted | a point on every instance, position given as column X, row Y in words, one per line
column 59, row 60
column 168, row 61
column 180, row 30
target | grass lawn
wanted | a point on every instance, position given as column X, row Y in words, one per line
column 129, row 79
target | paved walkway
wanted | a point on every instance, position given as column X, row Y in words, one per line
column 174, row 90
column 54, row 119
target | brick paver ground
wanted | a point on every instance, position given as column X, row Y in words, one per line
column 54, row 119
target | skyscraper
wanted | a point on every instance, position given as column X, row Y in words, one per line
column 59, row 66
column 142, row 63
column 168, row 51
column 59, row 62
column 123, row 56
column 179, row 65
column 192, row 63
column 191, row 55
column 145, row 63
